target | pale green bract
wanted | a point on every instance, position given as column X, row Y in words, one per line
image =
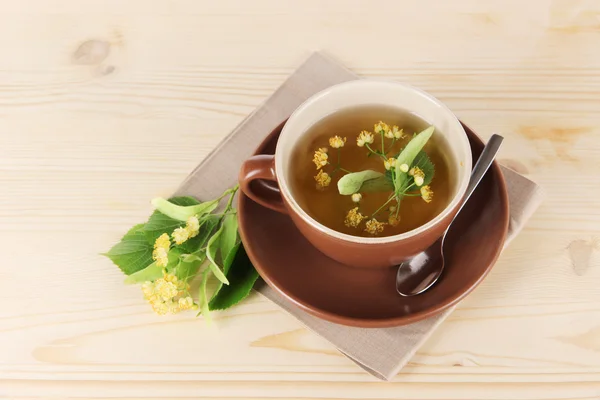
column 182, row 213
column 150, row 273
column 351, row 183
column 409, row 153
column 211, row 254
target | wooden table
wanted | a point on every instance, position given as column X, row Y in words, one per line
column 89, row 134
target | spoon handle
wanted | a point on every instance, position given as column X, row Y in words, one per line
column 482, row 165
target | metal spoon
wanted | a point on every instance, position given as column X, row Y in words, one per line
column 423, row 270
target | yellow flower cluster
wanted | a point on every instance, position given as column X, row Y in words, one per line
column 192, row 227
column 353, row 218
column 418, row 175
column 320, row 158
column 396, row 133
column 393, row 220
column 365, row 137
column 391, row 133
column 161, row 250
column 381, row 127
column 374, row 227
column 426, row 193
column 179, row 235
column 337, row 142
column 168, row 295
column 390, row 163
column 323, row 179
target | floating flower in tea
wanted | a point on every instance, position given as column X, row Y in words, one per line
column 382, row 128
column 337, row 142
column 396, row 133
column 374, row 227
column 354, row 218
column 356, row 197
column 364, row 137
column 418, row 175
column 426, row 193
column 389, row 163
column 323, row 179
column 321, row 157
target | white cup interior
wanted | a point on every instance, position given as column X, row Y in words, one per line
column 375, row 92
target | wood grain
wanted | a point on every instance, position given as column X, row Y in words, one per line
column 90, row 132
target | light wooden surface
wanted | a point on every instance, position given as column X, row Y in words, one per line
column 86, row 139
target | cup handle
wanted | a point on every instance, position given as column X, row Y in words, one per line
column 259, row 182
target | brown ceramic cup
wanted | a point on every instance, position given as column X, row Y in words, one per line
column 264, row 178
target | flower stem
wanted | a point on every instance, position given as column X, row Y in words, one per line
column 384, row 204
column 376, row 152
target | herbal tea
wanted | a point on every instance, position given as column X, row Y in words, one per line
column 371, row 171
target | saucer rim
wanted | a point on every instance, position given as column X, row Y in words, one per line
column 378, row 322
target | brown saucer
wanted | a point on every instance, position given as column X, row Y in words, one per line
column 367, row 297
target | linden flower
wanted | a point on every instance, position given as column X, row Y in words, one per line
column 160, row 308
column 180, row 235
column 165, row 295
column 192, row 226
column 427, row 193
column 356, row 197
column 374, row 227
column 320, row 157
column 165, row 289
column 163, row 241
column 418, row 175
column 185, row 303
column 161, row 256
column 393, row 220
column 404, row 167
column 336, row 142
column 364, row 137
column 396, row 132
column 323, row 179
column 389, row 163
column 353, row 218
column 392, row 208
column 382, row 127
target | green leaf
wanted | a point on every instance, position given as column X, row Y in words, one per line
column 207, row 225
column 218, row 273
column 381, row 184
column 211, row 254
column 193, row 257
column 409, row 153
column 133, row 253
column 424, row 162
column 229, row 237
column 150, row 273
column 226, row 265
column 189, row 265
column 351, row 183
column 242, row 277
column 133, row 231
column 182, row 213
column 203, row 298
column 159, row 223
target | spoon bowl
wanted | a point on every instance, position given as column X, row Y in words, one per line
column 421, row 272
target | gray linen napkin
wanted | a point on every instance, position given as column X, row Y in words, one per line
column 381, row 352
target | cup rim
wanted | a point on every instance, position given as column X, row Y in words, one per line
column 296, row 208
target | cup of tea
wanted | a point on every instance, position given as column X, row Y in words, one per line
column 371, row 172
